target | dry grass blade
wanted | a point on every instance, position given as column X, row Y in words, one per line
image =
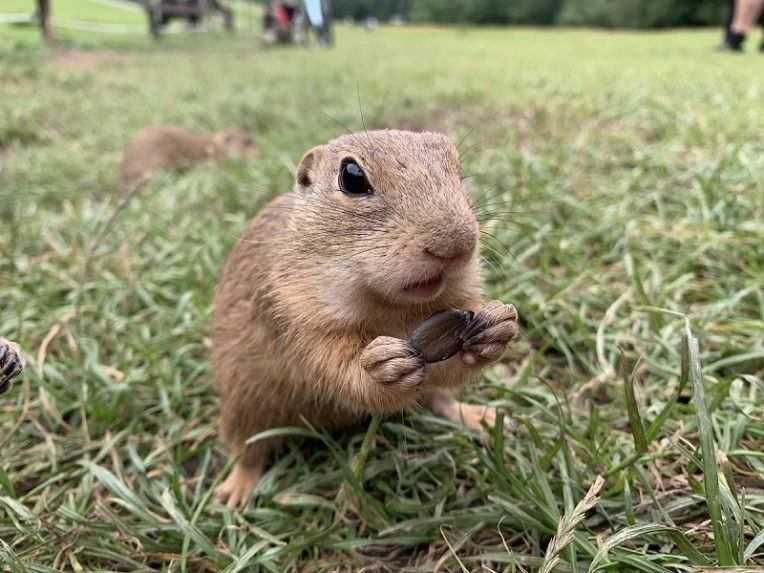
column 568, row 524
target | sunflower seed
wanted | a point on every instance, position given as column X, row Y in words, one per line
column 440, row 336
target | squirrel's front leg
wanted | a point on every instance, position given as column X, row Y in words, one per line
column 393, row 361
column 390, row 376
column 493, row 328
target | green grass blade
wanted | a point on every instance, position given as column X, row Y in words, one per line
column 292, row 432
column 190, row 531
column 754, row 544
column 691, row 353
column 122, row 493
column 632, row 408
column 636, row 532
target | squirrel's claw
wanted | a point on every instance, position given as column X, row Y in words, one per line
column 11, row 363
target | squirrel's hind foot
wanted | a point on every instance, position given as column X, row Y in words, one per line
column 236, row 490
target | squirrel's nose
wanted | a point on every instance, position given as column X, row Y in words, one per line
column 455, row 248
column 448, row 259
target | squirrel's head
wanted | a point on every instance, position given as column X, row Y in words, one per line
column 386, row 213
column 234, row 143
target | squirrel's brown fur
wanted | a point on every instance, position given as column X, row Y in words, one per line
column 167, row 148
column 317, row 298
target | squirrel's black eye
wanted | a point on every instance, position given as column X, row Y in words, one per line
column 353, row 180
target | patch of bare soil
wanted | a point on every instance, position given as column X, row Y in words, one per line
column 84, row 61
column 435, row 118
column 480, row 125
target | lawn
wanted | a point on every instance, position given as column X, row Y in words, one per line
column 621, row 185
column 107, row 11
column 118, row 20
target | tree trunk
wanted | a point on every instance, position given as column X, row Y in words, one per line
column 43, row 14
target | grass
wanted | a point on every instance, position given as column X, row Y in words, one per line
column 90, row 10
column 87, row 22
column 621, row 179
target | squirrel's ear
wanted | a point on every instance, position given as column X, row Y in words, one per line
column 305, row 170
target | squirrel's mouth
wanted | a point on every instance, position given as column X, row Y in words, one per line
column 426, row 288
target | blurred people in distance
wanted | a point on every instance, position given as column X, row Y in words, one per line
column 284, row 21
column 742, row 18
column 320, row 15
column 269, row 24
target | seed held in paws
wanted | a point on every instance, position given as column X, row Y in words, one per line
column 440, row 336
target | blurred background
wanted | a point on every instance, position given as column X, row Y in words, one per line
column 640, row 14
column 624, row 13
column 615, row 151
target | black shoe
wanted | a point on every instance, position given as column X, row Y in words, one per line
column 725, row 47
column 735, row 41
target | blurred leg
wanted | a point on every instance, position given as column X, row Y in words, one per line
column 730, row 18
column 742, row 17
column 746, row 14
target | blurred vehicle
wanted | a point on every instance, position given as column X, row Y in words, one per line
column 162, row 12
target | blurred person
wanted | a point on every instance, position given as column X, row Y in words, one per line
column 290, row 12
column 283, row 22
column 320, row 15
column 325, row 34
column 742, row 17
column 299, row 27
column 269, row 24
column 284, row 16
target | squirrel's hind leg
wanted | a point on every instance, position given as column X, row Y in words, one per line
column 471, row 416
column 238, row 487
column 236, row 490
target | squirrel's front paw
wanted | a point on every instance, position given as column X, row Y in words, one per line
column 493, row 327
column 393, row 361
column 11, row 363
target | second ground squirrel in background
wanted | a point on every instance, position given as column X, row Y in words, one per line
column 170, row 148
column 317, row 300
